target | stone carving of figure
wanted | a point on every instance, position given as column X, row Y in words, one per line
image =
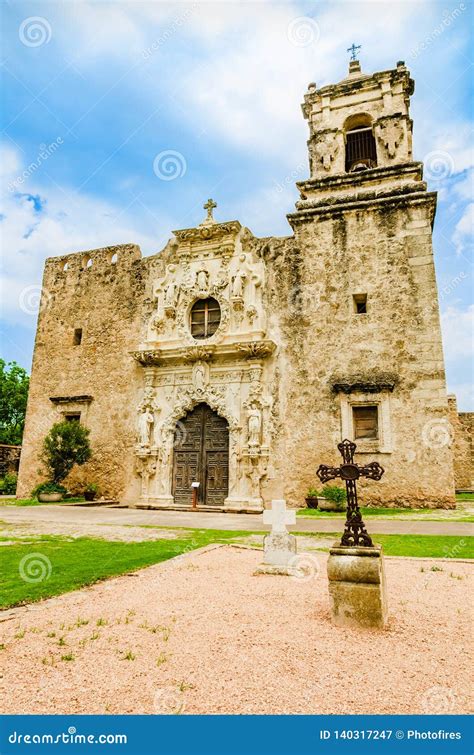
column 202, row 279
column 145, row 424
column 171, row 294
column 255, row 425
column 199, row 377
column 238, row 284
column 148, row 468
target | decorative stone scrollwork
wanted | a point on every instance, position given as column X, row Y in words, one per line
column 323, row 150
column 197, row 353
column 147, row 358
column 214, row 232
column 145, row 465
column 256, row 349
column 390, row 135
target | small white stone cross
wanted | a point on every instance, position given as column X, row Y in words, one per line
column 279, row 517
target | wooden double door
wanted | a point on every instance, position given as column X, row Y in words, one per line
column 201, row 454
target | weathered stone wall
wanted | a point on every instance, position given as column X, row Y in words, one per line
column 106, row 301
column 310, row 289
column 462, row 433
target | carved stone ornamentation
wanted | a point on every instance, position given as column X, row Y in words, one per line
column 323, row 151
column 390, row 135
column 256, row 349
column 147, row 358
column 145, row 465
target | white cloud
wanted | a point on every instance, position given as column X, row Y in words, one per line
column 457, row 325
column 462, row 236
column 38, row 224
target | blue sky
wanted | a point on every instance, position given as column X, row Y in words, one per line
column 94, row 91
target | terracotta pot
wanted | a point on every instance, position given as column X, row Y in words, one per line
column 311, row 502
column 50, row 497
column 89, row 495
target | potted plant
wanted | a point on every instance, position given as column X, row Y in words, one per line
column 49, row 492
column 332, row 498
column 312, row 498
column 91, row 491
column 66, row 444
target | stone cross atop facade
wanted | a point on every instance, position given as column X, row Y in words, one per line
column 279, row 517
column 355, row 533
column 353, row 49
column 209, row 207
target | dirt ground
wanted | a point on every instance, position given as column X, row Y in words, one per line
column 202, row 634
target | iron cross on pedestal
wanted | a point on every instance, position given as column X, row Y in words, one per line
column 355, row 533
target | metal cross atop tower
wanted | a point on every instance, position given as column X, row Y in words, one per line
column 355, row 533
column 209, row 206
column 353, row 49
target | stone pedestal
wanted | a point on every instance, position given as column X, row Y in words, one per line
column 279, row 548
column 278, row 552
column 357, row 586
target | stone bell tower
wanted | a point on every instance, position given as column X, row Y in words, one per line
column 371, row 358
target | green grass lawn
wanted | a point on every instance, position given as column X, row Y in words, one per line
column 35, row 502
column 73, row 563
column 433, row 515
column 418, row 546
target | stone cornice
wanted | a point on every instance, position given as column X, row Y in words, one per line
column 363, row 384
column 362, row 82
column 372, row 175
column 71, row 399
column 401, row 196
column 189, row 354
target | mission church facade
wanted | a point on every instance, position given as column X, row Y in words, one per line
column 240, row 362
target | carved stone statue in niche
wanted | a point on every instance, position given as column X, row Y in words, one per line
column 171, row 294
column 145, row 425
column 200, row 377
column 254, row 425
column 202, row 280
column 238, row 284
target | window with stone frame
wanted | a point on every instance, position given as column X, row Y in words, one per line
column 366, row 422
column 205, row 318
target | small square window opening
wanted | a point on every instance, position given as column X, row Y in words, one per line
column 77, row 340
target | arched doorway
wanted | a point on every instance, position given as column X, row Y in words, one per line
column 201, row 454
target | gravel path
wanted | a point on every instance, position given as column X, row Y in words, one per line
column 201, row 634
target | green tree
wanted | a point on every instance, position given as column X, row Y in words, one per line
column 66, row 444
column 14, row 384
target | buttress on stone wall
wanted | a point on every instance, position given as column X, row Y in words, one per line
column 291, row 358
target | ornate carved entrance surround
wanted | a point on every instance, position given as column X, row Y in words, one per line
column 230, row 371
